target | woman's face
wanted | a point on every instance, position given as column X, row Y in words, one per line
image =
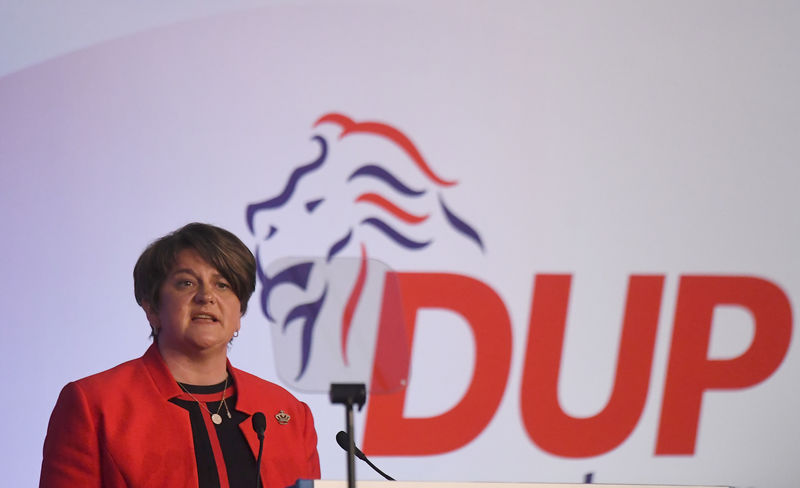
column 199, row 312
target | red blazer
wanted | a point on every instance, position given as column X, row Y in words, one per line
column 117, row 428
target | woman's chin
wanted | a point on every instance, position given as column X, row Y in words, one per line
column 200, row 341
column 209, row 343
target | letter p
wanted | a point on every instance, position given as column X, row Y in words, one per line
column 690, row 372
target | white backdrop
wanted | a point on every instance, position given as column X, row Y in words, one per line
column 598, row 140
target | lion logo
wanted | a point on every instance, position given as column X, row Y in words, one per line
column 341, row 211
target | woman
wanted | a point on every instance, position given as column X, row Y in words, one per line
column 179, row 416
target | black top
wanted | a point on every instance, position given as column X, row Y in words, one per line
column 226, row 439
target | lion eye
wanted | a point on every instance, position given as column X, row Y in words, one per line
column 272, row 231
column 313, row 204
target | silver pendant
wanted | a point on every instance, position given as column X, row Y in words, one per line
column 216, row 418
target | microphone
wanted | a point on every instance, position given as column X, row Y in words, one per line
column 260, row 426
column 344, row 442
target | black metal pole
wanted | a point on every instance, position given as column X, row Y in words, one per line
column 349, row 394
column 351, row 452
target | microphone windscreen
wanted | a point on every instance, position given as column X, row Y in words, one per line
column 259, row 423
column 344, row 442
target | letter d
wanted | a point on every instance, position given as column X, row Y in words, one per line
column 386, row 431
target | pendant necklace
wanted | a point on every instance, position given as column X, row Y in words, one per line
column 215, row 416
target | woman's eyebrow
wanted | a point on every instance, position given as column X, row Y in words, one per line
column 184, row 270
column 217, row 275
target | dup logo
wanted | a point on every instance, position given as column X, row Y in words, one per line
column 340, row 314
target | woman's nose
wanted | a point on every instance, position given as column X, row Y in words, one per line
column 204, row 295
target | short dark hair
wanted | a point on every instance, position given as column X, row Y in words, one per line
column 219, row 247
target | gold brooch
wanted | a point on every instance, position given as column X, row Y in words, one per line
column 283, row 418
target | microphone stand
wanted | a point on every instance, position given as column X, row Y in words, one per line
column 349, row 394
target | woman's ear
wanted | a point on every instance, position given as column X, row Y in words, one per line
column 152, row 316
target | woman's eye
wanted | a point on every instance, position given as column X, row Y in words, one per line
column 184, row 283
column 223, row 286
